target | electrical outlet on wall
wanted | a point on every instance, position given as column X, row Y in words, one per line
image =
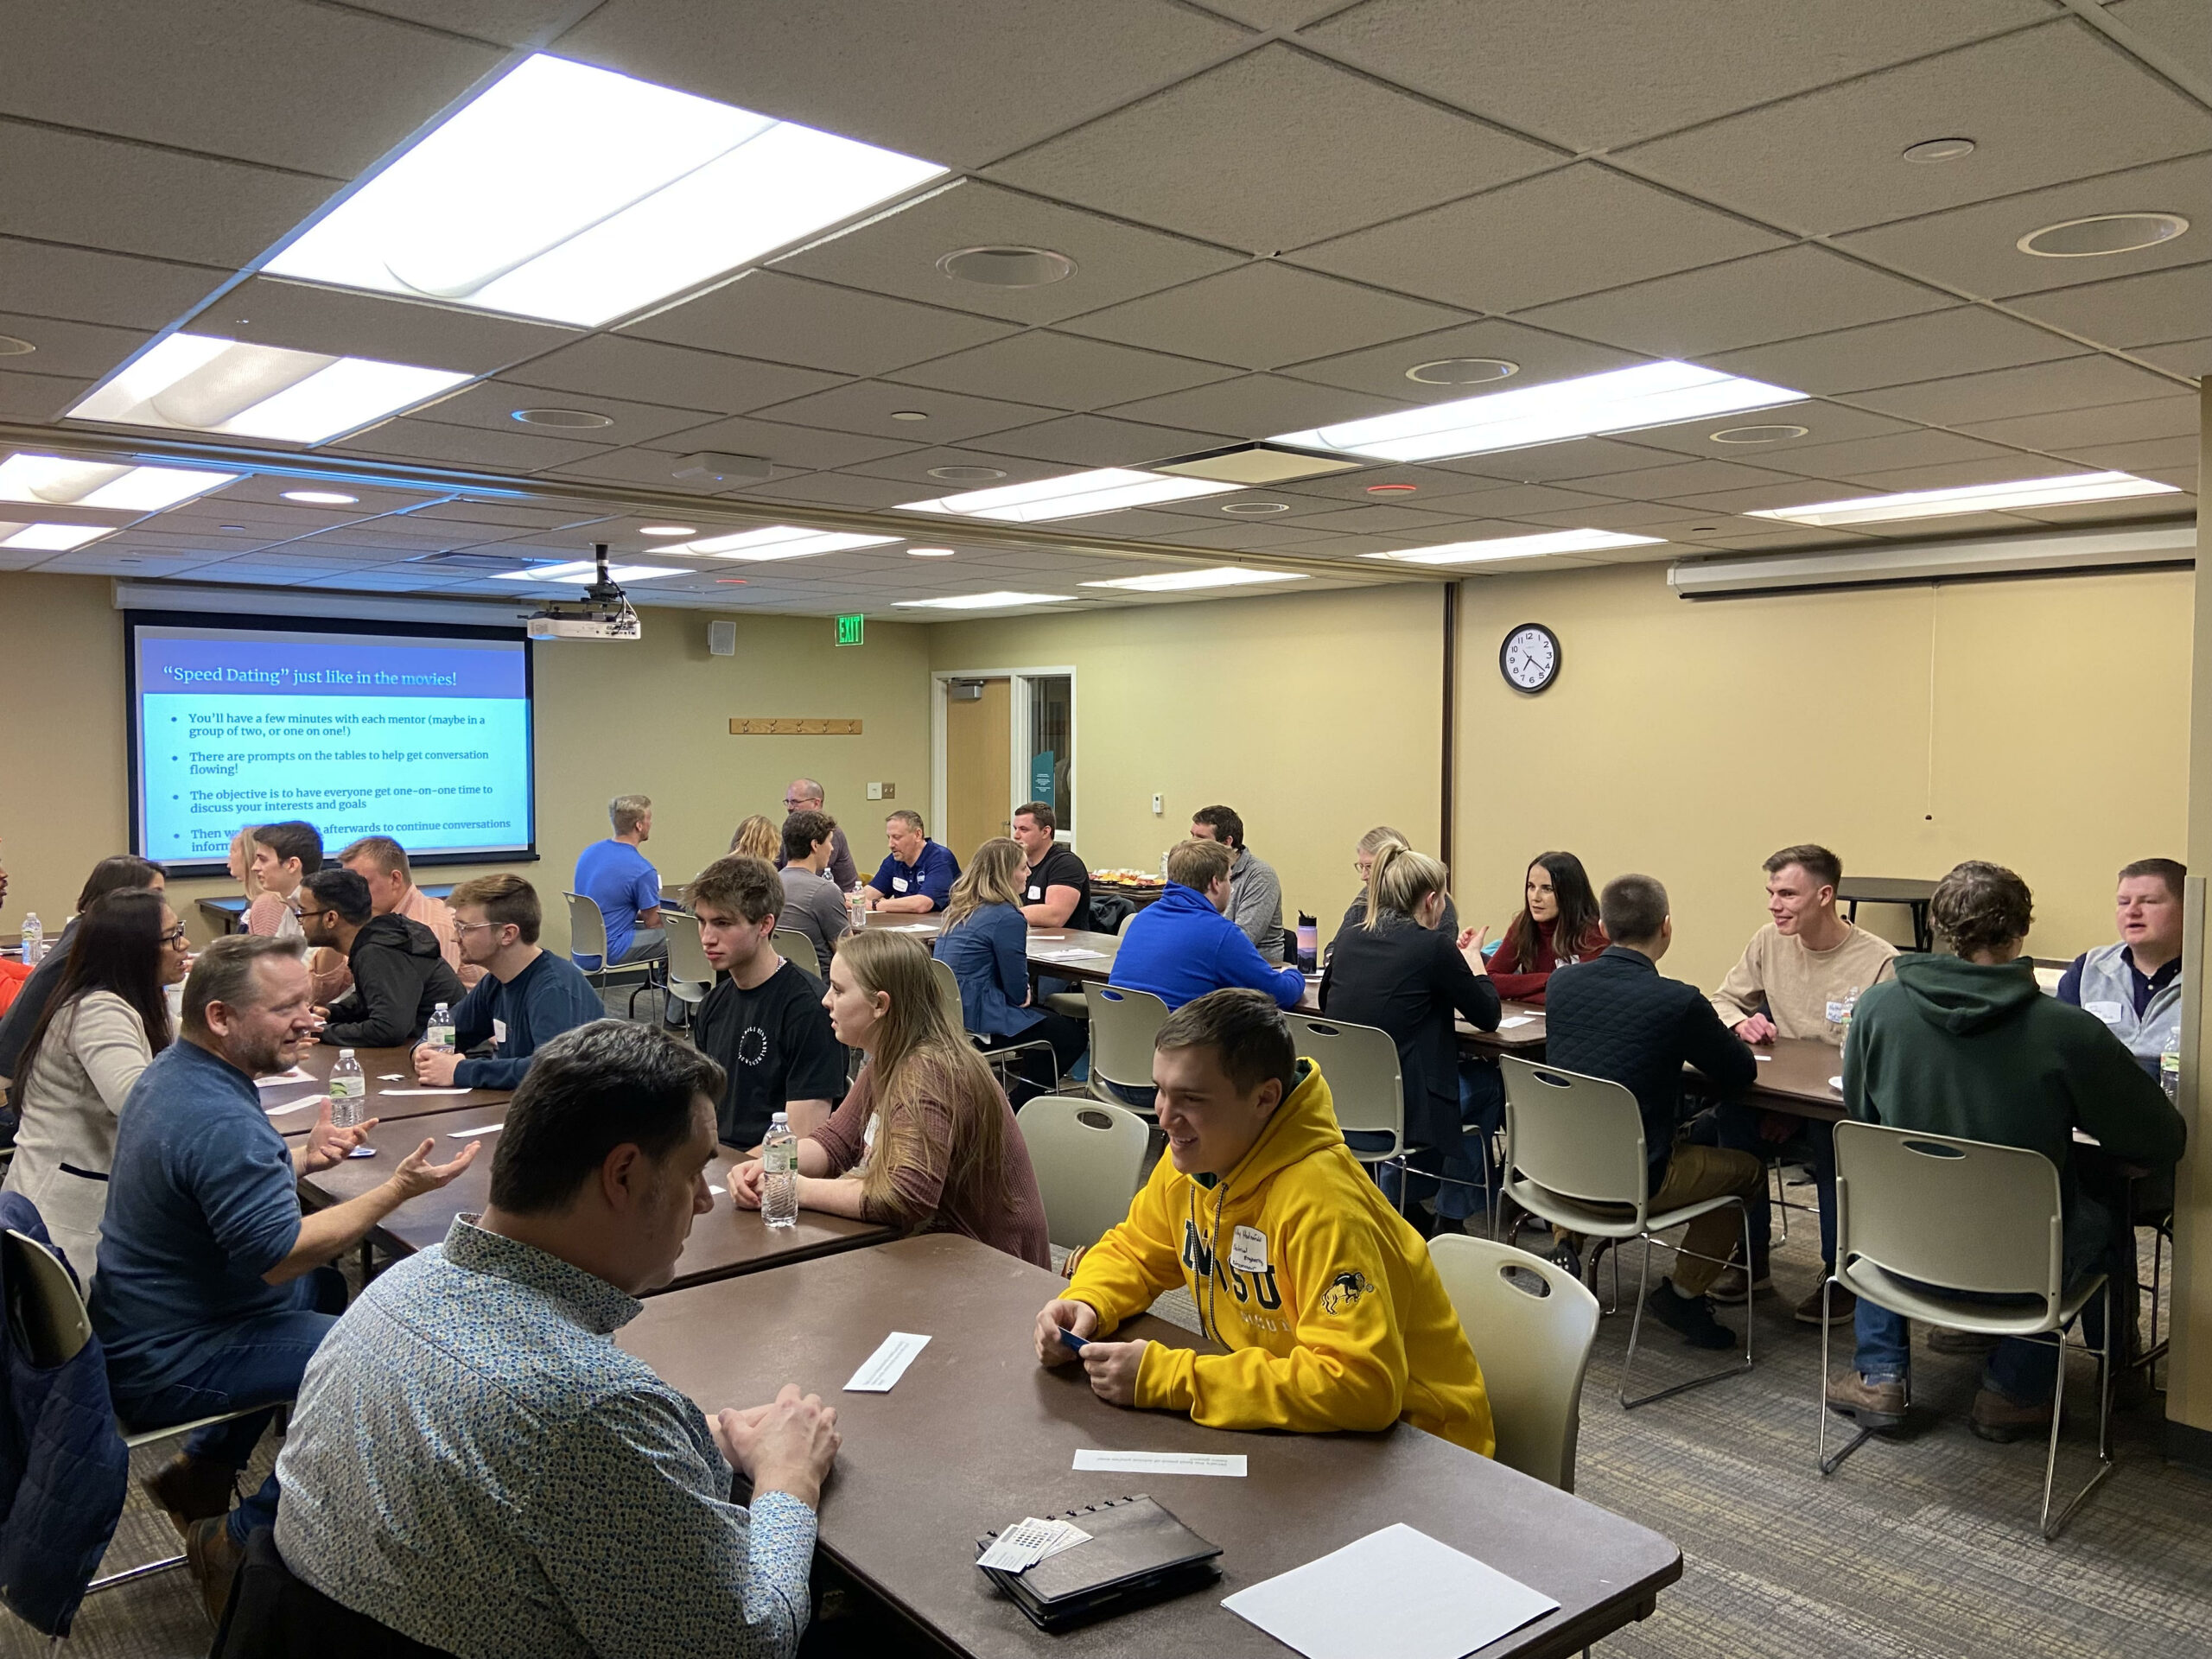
column 875, row 791
column 1158, row 806
column 890, row 791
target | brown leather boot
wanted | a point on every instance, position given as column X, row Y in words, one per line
column 213, row 1561
column 189, row 1489
column 1878, row 1406
column 1996, row 1418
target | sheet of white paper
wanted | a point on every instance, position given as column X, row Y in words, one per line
column 1513, row 1020
column 401, row 1094
column 1397, row 1592
column 1763, row 1060
column 474, row 1129
column 391, row 1076
column 898, row 927
column 284, row 1080
column 1162, row 1463
column 887, row 1364
column 1068, row 953
column 295, row 1105
column 1836, row 1083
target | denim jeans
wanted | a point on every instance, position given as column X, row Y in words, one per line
column 1737, row 1128
column 1455, row 1173
column 258, row 1361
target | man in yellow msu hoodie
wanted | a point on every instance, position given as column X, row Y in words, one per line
column 1334, row 1315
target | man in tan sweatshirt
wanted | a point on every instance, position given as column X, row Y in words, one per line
column 1799, row 977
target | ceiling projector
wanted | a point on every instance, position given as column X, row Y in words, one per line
column 602, row 612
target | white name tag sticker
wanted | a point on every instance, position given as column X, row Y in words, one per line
column 498, row 1030
column 1247, row 1250
column 2107, row 1011
column 898, row 883
column 1162, row 1463
column 1036, row 894
column 1837, row 1012
column 887, row 1364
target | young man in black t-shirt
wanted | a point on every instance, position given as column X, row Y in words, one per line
column 764, row 1020
column 1056, row 893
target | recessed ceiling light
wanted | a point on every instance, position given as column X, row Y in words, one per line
column 1939, row 149
column 1462, row 371
column 2091, row 238
column 200, row 384
column 53, row 538
column 583, row 570
column 778, row 541
column 12, row 346
column 1001, row 600
column 930, row 552
column 1254, row 509
column 575, row 195
column 1971, row 498
column 1392, row 489
column 1759, row 434
column 909, row 415
column 1620, row 400
column 1517, row 547
column 667, row 529
column 230, row 527
column 1078, row 495
column 578, row 418
column 1179, row 581
column 731, row 582
column 1006, row 267
column 101, row 484
column 321, row 498
column 967, row 474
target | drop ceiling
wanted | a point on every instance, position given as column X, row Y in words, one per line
column 1275, row 208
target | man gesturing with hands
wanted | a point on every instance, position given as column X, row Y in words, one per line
column 590, row 1500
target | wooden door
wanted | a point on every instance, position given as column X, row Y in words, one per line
column 978, row 769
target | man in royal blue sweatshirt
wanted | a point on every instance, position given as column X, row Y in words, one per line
column 527, row 996
column 1185, row 945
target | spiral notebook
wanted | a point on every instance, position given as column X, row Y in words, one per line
column 1138, row 1554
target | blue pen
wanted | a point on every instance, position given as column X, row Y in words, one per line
column 1073, row 1341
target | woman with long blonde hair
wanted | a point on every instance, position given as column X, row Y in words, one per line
column 986, row 944
column 925, row 1140
column 758, row 838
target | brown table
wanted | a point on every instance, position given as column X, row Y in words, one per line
column 724, row 1242
column 1796, row 1079
column 977, row 1434
column 376, row 1064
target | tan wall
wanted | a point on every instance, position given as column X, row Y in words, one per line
column 2189, row 1379
column 649, row 718
column 2044, row 724
column 1315, row 715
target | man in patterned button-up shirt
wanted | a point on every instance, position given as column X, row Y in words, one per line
column 473, row 1462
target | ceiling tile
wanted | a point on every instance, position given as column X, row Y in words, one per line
column 37, row 396
column 786, row 445
column 304, row 317
column 1572, row 231
column 2066, row 432
column 655, row 470
column 913, row 466
column 835, row 489
column 103, row 193
column 1434, row 527
column 1859, row 457
column 1769, row 296
column 1251, row 534
column 2181, row 27
column 1974, row 249
column 466, row 446
column 1262, row 315
column 500, row 515
column 1824, row 422
column 1691, row 478
column 1589, row 72
column 2038, row 388
column 2005, row 467
column 84, row 286
column 2145, row 310
column 80, row 350
column 1541, row 357
column 1514, row 500
column 1577, row 458
column 2190, row 356
column 1963, row 339
column 2044, row 105
column 646, row 371
column 955, row 81
column 871, row 407
column 492, row 404
column 765, row 314
column 508, row 22
column 1271, row 151
column 897, row 254
column 1259, row 406
column 1100, row 441
column 1063, row 371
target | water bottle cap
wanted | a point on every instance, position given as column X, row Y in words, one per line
column 777, row 1118
column 345, row 1054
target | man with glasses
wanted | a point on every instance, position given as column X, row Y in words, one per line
column 526, row 997
column 805, row 795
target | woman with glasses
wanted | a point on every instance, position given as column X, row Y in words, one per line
column 107, row 1020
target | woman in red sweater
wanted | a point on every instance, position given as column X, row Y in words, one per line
column 1559, row 904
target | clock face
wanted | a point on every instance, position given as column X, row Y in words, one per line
column 1529, row 657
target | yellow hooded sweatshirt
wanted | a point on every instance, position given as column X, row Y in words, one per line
column 1297, row 1262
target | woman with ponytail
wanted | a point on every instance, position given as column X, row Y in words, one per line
column 1558, row 924
column 925, row 1140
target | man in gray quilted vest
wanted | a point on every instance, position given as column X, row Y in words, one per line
column 2135, row 986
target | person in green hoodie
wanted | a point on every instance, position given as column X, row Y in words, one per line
column 1968, row 1046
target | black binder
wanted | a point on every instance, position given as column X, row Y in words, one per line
column 1137, row 1554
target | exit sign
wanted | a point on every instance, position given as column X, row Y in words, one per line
column 852, row 630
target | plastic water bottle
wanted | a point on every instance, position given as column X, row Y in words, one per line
column 2170, row 1073
column 349, row 1091
column 1309, row 942
column 34, row 939
column 779, row 1174
column 439, row 1034
column 1850, row 1006
column 856, row 905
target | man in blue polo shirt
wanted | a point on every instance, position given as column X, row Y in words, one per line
column 618, row 878
column 917, row 875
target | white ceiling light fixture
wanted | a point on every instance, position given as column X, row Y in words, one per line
column 931, row 552
column 197, row 383
column 1184, row 581
column 1463, row 371
column 583, row 570
column 1517, row 547
column 1928, row 151
column 321, row 498
column 1759, row 434
column 2063, row 490
column 668, row 530
column 1006, row 267
column 102, row 484
column 1003, row 600
column 2105, row 233
column 1620, row 400
column 1076, row 495
column 779, row 542
column 12, row 346
column 575, row 195
column 967, row 474
column 53, row 538
column 580, row 419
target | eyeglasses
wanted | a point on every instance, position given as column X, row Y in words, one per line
column 176, row 935
column 473, row 927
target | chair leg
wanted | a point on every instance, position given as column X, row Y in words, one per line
column 2052, row 1526
column 166, row 1564
column 1643, row 1280
column 1830, row 1465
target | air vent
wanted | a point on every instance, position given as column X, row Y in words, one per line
column 501, row 561
column 1255, row 463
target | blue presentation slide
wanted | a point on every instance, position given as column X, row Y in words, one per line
column 424, row 740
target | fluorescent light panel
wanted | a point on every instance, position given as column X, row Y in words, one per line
column 103, row 484
column 1001, row 600
column 1180, row 581
column 198, row 383
column 56, row 538
column 1620, row 400
column 1078, row 495
column 779, row 542
column 583, row 570
column 2059, row 491
column 577, row 195
column 1517, row 547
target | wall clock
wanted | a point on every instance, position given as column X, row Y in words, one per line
column 1529, row 658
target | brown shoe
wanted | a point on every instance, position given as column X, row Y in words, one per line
column 188, row 1489
column 1841, row 1304
column 1876, row 1405
column 1969, row 1344
column 1996, row 1418
column 213, row 1561
column 1733, row 1286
